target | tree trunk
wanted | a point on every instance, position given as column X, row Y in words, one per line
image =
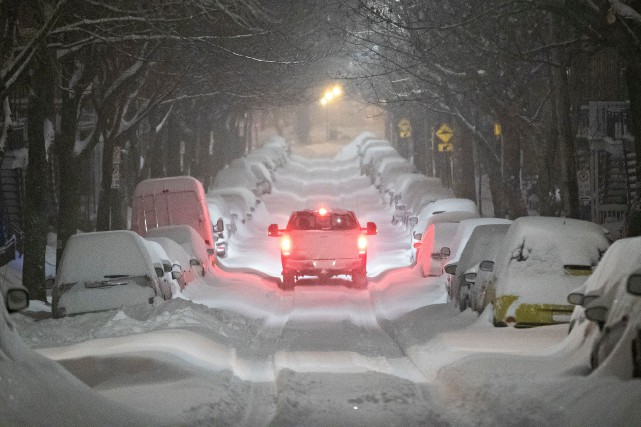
column 40, row 122
column 69, row 179
column 464, row 185
column 421, row 142
column 512, row 196
column 569, row 185
column 173, row 146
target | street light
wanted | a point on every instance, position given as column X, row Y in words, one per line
column 330, row 95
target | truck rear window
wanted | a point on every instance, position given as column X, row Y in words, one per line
column 311, row 221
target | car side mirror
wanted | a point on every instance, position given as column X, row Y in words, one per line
column 159, row 272
column 445, row 251
column 371, row 229
column 575, row 298
column 273, row 231
column 469, row 277
column 634, row 284
column 597, row 313
column 486, row 265
column 17, row 299
column 413, row 220
column 450, row 269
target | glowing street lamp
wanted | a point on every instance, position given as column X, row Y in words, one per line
column 329, row 96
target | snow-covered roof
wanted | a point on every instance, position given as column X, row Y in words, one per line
column 170, row 184
column 185, row 236
column 92, row 256
column 464, row 231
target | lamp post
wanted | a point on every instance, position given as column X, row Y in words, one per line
column 330, row 96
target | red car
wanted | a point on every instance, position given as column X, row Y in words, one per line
column 323, row 243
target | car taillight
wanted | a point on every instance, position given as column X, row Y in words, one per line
column 286, row 245
column 362, row 244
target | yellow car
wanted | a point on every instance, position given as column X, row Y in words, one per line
column 541, row 261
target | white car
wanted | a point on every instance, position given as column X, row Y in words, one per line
column 457, row 246
column 482, row 244
column 431, row 251
column 105, row 270
column 169, row 285
column 617, row 350
column 190, row 241
column 621, row 259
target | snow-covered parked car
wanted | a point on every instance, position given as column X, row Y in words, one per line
column 440, row 217
column 482, row 243
column 182, row 269
column 15, row 296
column 171, row 271
column 390, row 168
column 223, row 225
column 457, row 246
column 621, row 259
column 541, row 261
column 240, row 201
column 104, row 270
column 431, row 249
column 424, row 216
column 239, row 174
column 190, row 241
column 617, row 349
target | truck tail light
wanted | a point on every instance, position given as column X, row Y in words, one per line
column 286, row 245
column 362, row 244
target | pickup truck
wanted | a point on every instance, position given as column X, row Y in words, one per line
column 323, row 243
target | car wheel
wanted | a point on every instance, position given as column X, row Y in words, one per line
column 289, row 281
column 636, row 355
column 359, row 279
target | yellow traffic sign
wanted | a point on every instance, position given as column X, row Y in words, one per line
column 445, row 133
column 497, row 129
column 404, row 128
column 445, row 146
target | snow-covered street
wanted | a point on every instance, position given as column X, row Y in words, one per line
column 235, row 349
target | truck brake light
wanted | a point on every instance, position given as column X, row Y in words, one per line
column 286, row 245
column 362, row 244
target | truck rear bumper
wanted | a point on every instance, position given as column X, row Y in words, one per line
column 319, row 267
